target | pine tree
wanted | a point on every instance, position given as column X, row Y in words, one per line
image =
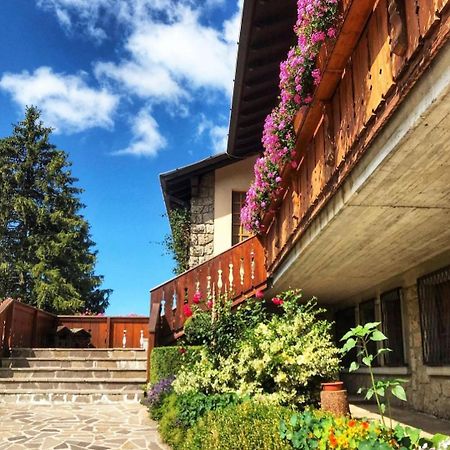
column 47, row 257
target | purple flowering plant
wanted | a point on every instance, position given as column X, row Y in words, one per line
column 156, row 393
column 298, row 79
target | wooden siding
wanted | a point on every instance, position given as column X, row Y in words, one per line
column 347, row 113
column 237, row 272
column 108, row 332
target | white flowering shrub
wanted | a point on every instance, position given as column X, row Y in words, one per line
column 284, row 358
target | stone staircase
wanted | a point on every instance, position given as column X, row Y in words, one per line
column 52, row 375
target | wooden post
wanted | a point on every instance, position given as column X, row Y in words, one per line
column 34, row 328
column 108, row 333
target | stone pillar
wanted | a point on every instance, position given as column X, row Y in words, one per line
column 202, row 221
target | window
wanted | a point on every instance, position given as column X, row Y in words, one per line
column 239, row 233
column 391, row 314
column 367, row 314
column 345, row 319
column 434, row 301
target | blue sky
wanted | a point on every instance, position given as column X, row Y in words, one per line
column 133, row 88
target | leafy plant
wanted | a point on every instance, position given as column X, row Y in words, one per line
column 284, row 357
column 359, row 337
column 168, row 361
column 198, row 328
column 177, row 243
column 247, row 426
column 194, row 405
column 156, row 394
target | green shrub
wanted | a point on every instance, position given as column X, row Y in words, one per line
column 194, row 405
column 167, row 361
column 248, row 426
column 197, row 329
column 170, row 428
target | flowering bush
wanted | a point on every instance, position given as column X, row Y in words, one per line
column 283, row 358
column 316, row 429
column 298, row 77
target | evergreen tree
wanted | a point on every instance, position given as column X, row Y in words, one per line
column 46, row 252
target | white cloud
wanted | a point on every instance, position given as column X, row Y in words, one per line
column 146, row 81
column 169, row 60
column 67, row 103
column 147, row 140
column 218, row 134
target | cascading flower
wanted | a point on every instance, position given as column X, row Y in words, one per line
column 298, row 78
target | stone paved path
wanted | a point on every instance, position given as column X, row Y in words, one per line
column 76, row 426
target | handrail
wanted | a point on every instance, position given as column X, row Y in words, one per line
column 237, row 272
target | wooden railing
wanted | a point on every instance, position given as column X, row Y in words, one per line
column 237, row 272
column 111, row 332
column 22, row 325
column 382, row 49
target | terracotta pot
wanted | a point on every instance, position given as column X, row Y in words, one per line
column 333, row 386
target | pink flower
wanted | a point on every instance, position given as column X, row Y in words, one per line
column 259, row 294
column 187, row 310
column 182, row 350
column 294, row 164
column 209, row 304
column 197, row 297
column 277, row 301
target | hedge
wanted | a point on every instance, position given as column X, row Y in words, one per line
column 248, row 426
column 167, row 361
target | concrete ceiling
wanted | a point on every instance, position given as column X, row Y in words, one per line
column 393, row 212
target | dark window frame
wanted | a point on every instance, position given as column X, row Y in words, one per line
column 433, row 292
column 397, row 357
column 235, row 218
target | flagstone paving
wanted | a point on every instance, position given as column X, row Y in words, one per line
column 76, row 426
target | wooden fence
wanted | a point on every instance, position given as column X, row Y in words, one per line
column 382, row 49
column 111, row 332
column 237, row 272
column 22, row 325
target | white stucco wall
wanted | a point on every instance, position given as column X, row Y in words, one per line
column 235, row 177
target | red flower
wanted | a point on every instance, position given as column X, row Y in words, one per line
column 209, row 304
column 187, row 310
column 277, row 301
column 259, row 294
column 182, row 350
column 197, row 298
column 351, row 423
column 333, row 440
column 365, row 425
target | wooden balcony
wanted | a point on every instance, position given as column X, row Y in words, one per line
column 237, row 273
column 382, row 49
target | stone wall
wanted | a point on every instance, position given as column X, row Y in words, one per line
column 426, row 392
column 202, row 220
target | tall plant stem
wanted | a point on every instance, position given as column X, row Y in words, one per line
column 372, row 379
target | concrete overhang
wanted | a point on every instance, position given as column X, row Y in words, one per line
column 392, row 214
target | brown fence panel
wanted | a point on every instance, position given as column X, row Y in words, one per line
column 108, row 332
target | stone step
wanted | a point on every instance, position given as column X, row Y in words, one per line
column 119, row 353
column 138, row 363
column 70, row 384
column 37, row 373
column 52, row 396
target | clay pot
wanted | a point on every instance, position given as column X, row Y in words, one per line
column 333, row 386
column 333, row 398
